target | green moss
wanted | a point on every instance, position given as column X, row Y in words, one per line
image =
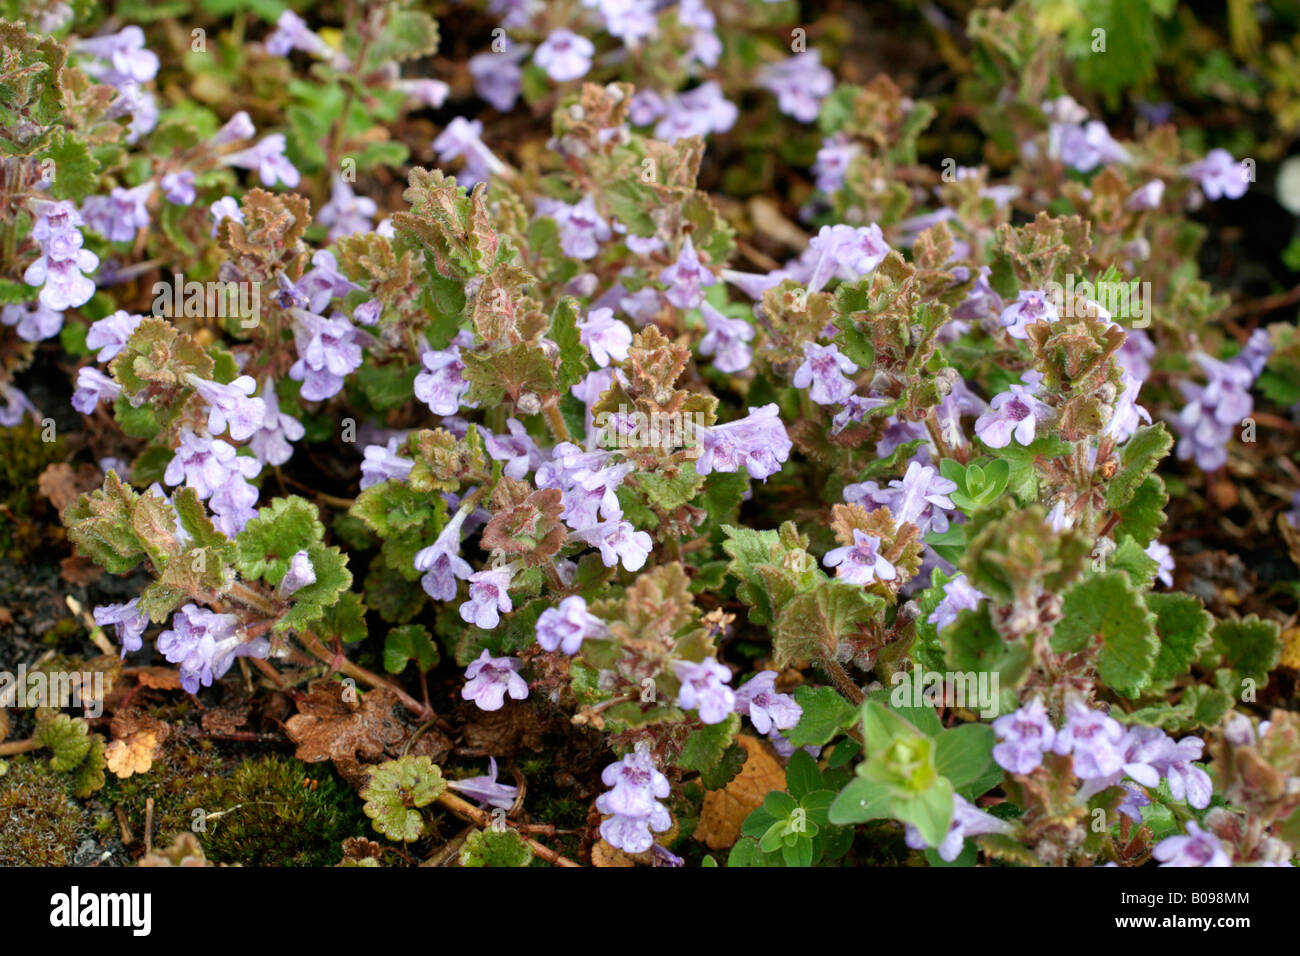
column 39, row 822
column 23, row 456
column 185, row 764
column 272, row 815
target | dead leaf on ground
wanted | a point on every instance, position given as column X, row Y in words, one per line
column 133, row 754
column 79, row 570
column 225, row 719
column 61, row 483
column 158, row 678
column 603, row 854
column 725, row 810
column 327, row 727
column 503, row 732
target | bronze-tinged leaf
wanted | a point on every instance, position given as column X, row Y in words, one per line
column 724, row 810
column 158, row 678
column 335, row 722
column 133, row 754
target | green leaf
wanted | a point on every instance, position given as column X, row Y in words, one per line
column 493, row 847
column 278, row 532
column 1107, row 606
column 1250, row 647
column 68, row 738
column 411, row 642
column 1138, row 459
column 705, row 748
column 801, row 775
column 825, row 712
column 930, row 812
column 811, row 623
column 748, row 550
column 861, row 801
column 393, row 792
column 565, row 334
column 75, row 173
column 1183, row 626
column 965, row 756
column 1144, row 516
column 1131, row 558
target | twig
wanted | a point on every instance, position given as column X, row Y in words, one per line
column 467, row 811
column 344, row 666
column 18, row 747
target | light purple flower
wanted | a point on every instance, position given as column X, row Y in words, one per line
column 1146, row 196
column 425, row 91
column 300, row 574
column 485, row 790
column 981, row 301
column 686, row 278
column 619, row 541
column 582, row 228
column 697, row 112
column 462, row 138
column 824, row 373
column 442, row 564
column 860, row 563
column 1128, row 415
column 758, row 443
column 920, row 496
column 205, row 644
column 382, row 463
column 14, row 407
column 1197, row 848
column 833, row 161
column 238, row 128
column 845, row 251
column 227, row 207
column 489, row 593
column 488, row 679
column 565, row 627
column 498, row 77
column 34, row 321
column 605, row 337
column 1220, row 176
column 767, row 710
column 272, row 443
column 1084, row 146
column 292, row 33
column 231, row 406
column 206, row 464
column 268, row 159
column 119, row 215
column 129, row 620
column 517, row 450
column 1031, row 306
column 1024, row 736
column 125, row 58
column 1092, row 739
column 704, row 688
column 958, row 595
column 564, row 55
column 93, row 387
column 442, row 384
column 967, row 821
column 178, row 187
column 727, row 340
column 800, row 84
column 346, row 212
column 328, row 350
column 633, row 801
column 1014, row 412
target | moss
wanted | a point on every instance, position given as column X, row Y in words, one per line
column 23, row 456
column 40, row 823
column 277, row 811
column 185, row 764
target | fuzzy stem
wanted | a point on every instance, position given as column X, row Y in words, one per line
column 554, row 420
column 472, row 814
column 345, row 666
column 18, row 747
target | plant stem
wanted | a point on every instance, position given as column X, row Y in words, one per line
column 555, row 421
column 344, row 666
column 472, row 814
column 18, row 747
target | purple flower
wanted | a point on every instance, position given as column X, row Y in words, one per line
column 958, row 595
column 860, row 563
column 93, row 387
column 629, row 20
column 442, row 564
column 272, row 443
column 686, row 278
column 268, row 158
column 15, row 406
column 125, row 56
column 698, row 112
column 301, row 573
column 564, row 55
column 704, row 688
column 845, row 251
column 1146, row 196
column 328, row 350
column 34, row 322
column 1014, row 412
column 292, row 33
column 498, row 78
column 462, row 138
column 238, row 128
column 1159, row 553
column 766, row 709
column 967, row 821
column 441, row 384
column 1093, row 739
column 206, row 464
column 1031, row 306
column 824, row 372
column 727, row 340
column 517, row 450
column 178, row 187
column 1206, row 424
column 488, row 679
column 230, row 406
column 646, row 107
column 586, row 491
column 582, row 228
column 981, row 301
column 565, row 627
column 205, row 644
column 1128, row 415
column 489, row 593
column 63, row 260
column 633, row 801
column 485, row 789
column 800, row 84
column 605, row 337
column 1084, row 146
column 1024, row 736
column 1197, row 848
column 119, row 215
column 1186, row 780
column 758, row 442
column 227, row 207
column 130, row 621
column 425, row 91
column 346, row 212
column 382, row 463
column 920, row 496
column 1220, row 176
column 233, row 504
column 833, row 161
column 619, row 541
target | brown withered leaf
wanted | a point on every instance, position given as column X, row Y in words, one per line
column 225, row 719
column 79, row 570
column 725, row 810
column 133, row 754
column 328, row 727
column 603, row 854
column 158, row 678
column 62, row 484
column 505, row 731
column 357, row 849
